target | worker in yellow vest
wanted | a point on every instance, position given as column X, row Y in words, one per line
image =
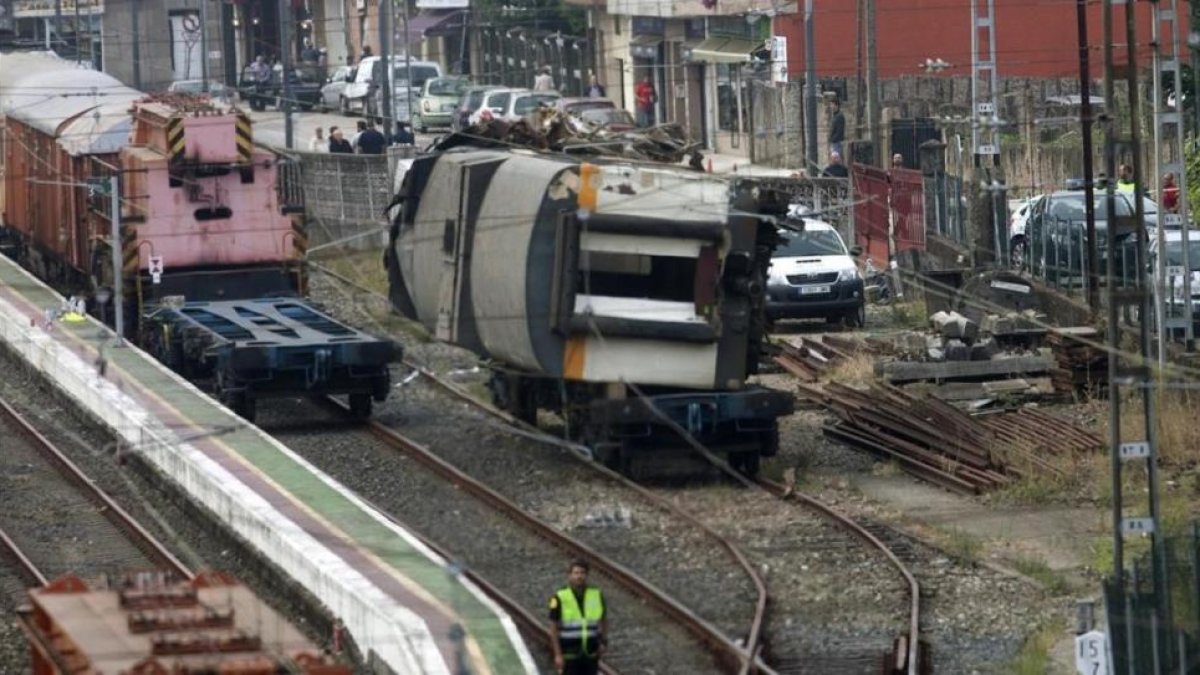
column 1125, row 179
column 578, row 624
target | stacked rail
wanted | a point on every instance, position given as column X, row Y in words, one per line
column 1080, row 362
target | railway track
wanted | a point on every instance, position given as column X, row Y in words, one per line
column 904, row 654
column 518, row 556
column 93, row 536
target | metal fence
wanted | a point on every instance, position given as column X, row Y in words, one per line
column 1157, row 629
column 344, row 197
column 777, row 134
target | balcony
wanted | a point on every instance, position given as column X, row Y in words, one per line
column 692, row 8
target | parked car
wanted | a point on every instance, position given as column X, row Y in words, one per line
column 469, row 102
column 524, row 102
column 599, row 111
column 439, row 101
column 305, row 87
column 1174, row 267
column 1018, row 224
column 495, row 102
column 363, row 93
column 335, row 84
column 813, row 275
column 1056, row 233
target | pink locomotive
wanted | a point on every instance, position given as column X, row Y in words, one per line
column 212, row 261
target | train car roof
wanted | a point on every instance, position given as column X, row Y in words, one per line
column 87, row 110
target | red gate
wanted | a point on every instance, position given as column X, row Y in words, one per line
column 882, row 197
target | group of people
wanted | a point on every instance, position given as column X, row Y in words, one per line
column 1168, row 195
column 367, row 140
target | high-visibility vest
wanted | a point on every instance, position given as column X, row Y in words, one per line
column 579, row 628
column 1123, row 186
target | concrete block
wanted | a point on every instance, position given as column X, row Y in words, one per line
column 983, row 350
column 910, row 345
column 957, row 350
column 935, row 347
column 995, row 324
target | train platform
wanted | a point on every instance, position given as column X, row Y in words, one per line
column 399, row 601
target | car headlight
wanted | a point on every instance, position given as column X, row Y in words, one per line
column 425, row 105
column 849, row 274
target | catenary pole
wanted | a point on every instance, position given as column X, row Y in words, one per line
column 1085, row 118
column 810, row 89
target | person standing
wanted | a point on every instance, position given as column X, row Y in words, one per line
column 1125, row 179
column 578, row 624
column 370, row 141
column 897, row 161
column 318, row 143
column 337, row 144
column 361, row 126
column 835, row 169
column 645, row 98
column 595, row 89
column 1170, row 194
column 544, row 81
column 837, row 127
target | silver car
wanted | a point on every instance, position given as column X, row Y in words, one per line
column 331, row 93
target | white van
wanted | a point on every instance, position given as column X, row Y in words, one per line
column 362, row 94
column 813, row 276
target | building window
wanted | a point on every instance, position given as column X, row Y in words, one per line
column 730, row 86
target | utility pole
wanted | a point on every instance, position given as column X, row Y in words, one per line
column 229, row 56
column 77, row 33
column 810, row 90
column 203, row 44
column 1130, row 377
column 860, row 88
column 1168, row 143
column 408, row 71
column 285, row 56
column 385, row 58
column 874, row 114
column 118, row 266
column 58, row 27
column 990, row 238
column 1085, row 118
column 136, row 38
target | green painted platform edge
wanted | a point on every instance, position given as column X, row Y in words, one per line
column 481, row 622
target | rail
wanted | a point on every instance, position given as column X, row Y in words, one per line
column 722, row 648
column 138, row 535
column 906, row 655
column 754, row 634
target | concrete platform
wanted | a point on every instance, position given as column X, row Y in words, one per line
column 394, row 595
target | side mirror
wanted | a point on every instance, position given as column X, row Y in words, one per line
column 856, row 250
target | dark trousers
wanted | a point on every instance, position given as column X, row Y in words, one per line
column 581, row 666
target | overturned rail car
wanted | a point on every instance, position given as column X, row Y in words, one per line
column 629, row 298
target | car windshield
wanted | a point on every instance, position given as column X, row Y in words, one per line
column 810, row 243
column 189, row 86
column 527, row 103
column 420, row 73
column 446, row 87
column 1175, row 254
column 475, row 99
column 1071, row 207
column 606, row 116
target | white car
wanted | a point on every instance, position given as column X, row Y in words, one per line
column 362, row 95
column 1173, row 282
column 813, row 275
column 511, row 105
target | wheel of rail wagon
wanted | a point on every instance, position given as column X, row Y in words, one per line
column 360, row 406
column 746, row 463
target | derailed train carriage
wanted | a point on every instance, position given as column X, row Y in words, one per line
column 627, row 297
column 211, row 259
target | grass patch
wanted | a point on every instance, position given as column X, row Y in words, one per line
column 856, row 371
column 1036, row 568
column 1034, row 657
column 909, row 314
column 962, row 544
column 362, row 267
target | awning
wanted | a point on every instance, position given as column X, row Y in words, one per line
column 432, row 25
column 644, row 46
column 725, row 50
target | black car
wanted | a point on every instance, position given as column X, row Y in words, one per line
column 1056, row 238
column 306, row 83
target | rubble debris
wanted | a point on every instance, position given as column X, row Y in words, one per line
column 809, row 359
column 551, row 130
column 954, row 325
column 935, row 441
column 1081, row 364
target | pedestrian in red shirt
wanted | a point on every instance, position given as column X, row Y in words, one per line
column 1170, row 194
column 645, row 97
